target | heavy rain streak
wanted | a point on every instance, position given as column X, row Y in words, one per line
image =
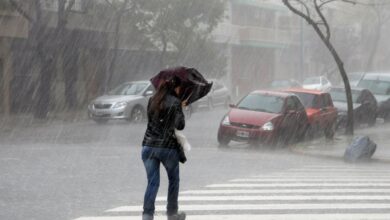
column 194, row 109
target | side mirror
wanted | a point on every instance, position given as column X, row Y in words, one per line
column 232, row 106
column 149, row 93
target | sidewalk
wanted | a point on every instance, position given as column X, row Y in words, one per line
column 23, row 119
column 335, row 149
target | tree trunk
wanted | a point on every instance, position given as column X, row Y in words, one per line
column 111, row 68
column 349, row 129
column 70, row 67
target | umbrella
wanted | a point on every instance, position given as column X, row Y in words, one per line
column 194, row 85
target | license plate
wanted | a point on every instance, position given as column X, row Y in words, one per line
column 243, row 134
column 101, row 113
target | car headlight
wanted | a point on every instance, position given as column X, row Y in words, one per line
column 120, row 104
column 90, row 106
column 268, row 126
column 226, row 120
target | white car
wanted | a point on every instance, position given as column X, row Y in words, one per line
column 127, row 101
column 317, row 83
column 218, row 96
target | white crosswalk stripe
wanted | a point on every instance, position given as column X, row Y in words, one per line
column 312, row 192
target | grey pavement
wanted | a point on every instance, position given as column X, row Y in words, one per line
column 65, row 169
column 335, row 149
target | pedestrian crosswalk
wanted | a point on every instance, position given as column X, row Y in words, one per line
column 344, row 192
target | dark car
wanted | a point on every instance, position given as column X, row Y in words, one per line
column 264, row 117
column 320, row 111
column 364, row 106
column 379, row 85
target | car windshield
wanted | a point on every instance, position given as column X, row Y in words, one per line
column 312, row 80
column 280, row 83
column 308, row 100
column 262, row 103
column 355, row 76
column 128, row 89
column 376, row 86
column 339, row 95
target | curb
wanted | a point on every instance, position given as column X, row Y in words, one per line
column 304, row 152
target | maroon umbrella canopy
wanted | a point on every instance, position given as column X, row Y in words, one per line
column 194, row 85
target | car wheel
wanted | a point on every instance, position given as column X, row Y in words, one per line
column 223, row 141
column 387, row 118
column 330, row 131
column 302, row 133
column 137, row 114
column 100, row 120
column 372, row 120
column 310, row 133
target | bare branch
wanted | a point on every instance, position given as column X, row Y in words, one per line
column 111, row 5
column 324, row 21
column 21, row 11
column 68, row 9
column 296, row 11
column 325, row 2
column 305, row 6
column 70, row 5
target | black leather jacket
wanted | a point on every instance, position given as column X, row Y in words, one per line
column 160, row 129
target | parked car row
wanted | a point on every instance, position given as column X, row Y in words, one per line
column 129, row 100
column 289, row 115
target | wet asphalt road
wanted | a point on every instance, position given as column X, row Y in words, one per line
column 65, row 170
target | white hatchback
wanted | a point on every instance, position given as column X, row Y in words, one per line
column 317, row 83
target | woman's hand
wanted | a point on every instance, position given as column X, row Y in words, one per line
column 184, row 103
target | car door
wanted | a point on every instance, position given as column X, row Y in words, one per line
column 218, row 93
column 291, row 115
column 328, row 111
column 368, row 102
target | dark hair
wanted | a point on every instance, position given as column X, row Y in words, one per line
column 166, row 87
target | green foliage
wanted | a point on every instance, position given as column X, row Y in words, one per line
column 184, row 27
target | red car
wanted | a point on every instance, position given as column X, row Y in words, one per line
column 320, row 111
column 264, row 117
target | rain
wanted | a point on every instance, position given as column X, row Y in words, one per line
column 270, row 109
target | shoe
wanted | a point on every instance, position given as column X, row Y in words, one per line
column 147, row 217
column 177, row 216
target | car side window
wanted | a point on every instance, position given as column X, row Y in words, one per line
column 362, row 97
column 317, row 102
column 298, row 104
column 149, row 89
column 327, row 100
column 291, row 104
column 325, row 81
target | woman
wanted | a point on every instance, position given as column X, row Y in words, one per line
column 161, row 147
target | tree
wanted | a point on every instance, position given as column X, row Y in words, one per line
column 382, row 17
column 119, row 9
column 181, row 30
column 312, row 12
column 46, row 43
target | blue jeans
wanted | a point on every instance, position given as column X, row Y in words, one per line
column 169, row 158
